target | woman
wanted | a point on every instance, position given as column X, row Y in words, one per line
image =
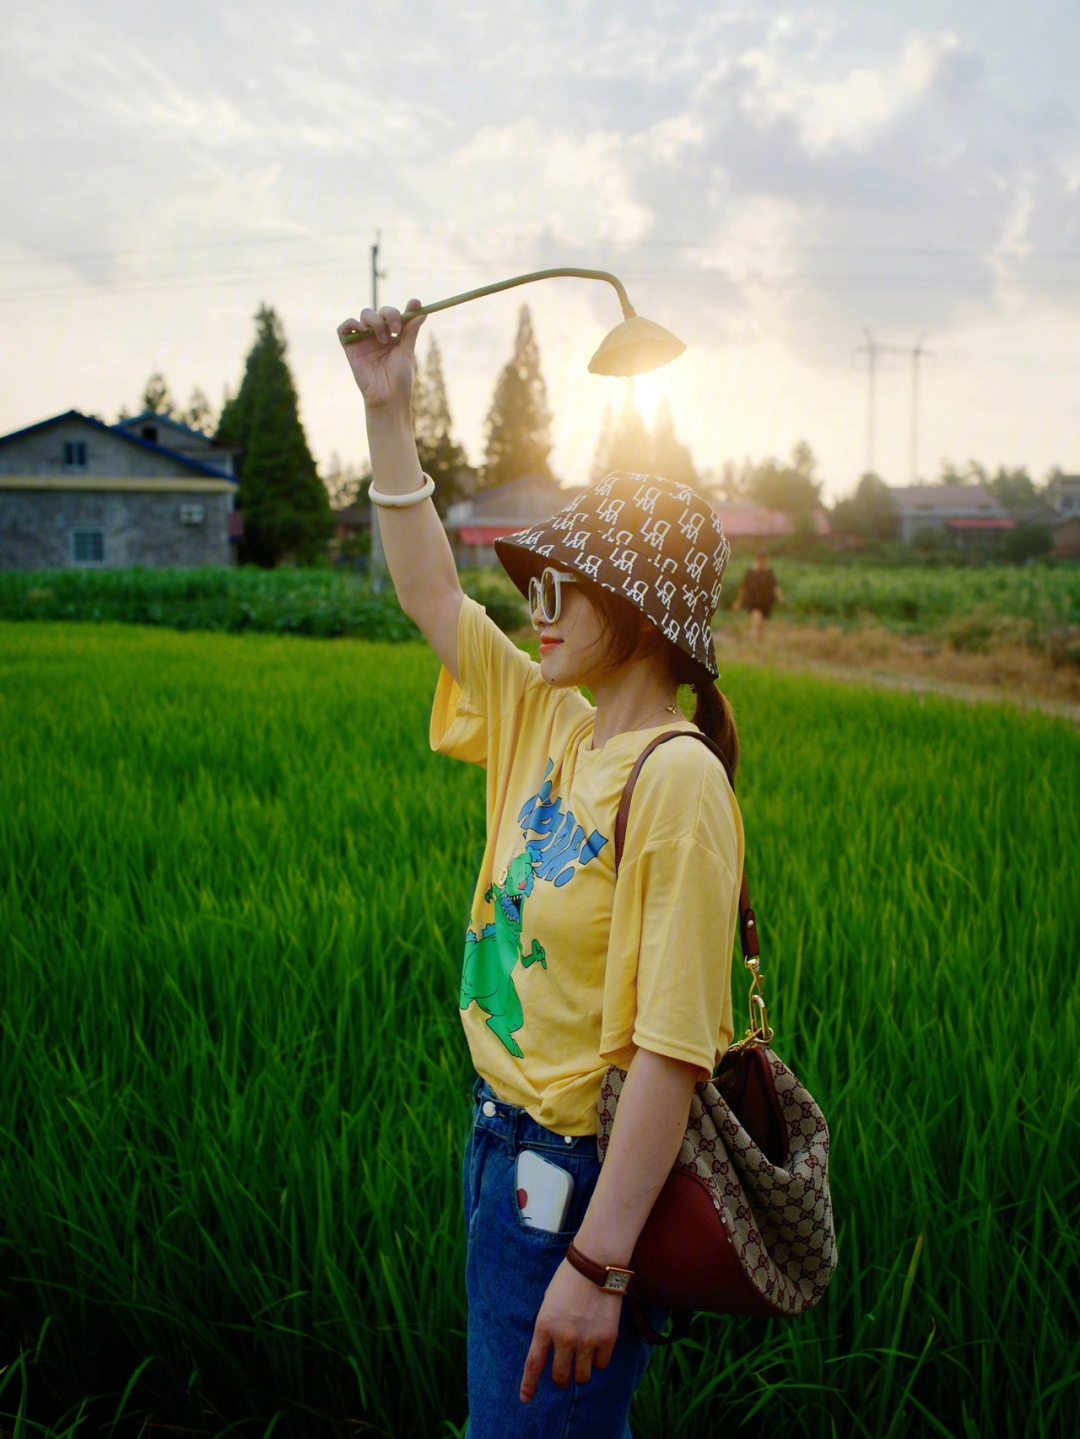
column 758, row 593
column 564, row 973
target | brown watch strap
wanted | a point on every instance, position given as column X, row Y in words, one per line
column 612, row 1278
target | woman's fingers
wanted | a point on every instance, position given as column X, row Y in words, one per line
column 377, row 324
column 534, row 1364
column 583, row 1365
column 562, row 1365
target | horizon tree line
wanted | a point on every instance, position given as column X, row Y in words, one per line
column 288, row 506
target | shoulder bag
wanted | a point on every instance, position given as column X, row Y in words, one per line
column 744, row 1223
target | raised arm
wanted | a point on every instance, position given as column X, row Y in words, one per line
column 418, row 554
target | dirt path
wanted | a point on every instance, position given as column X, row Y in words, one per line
column 918, row 684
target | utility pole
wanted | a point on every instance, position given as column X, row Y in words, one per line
column 871, row 348
column 376, row 273
column 917, row 352
column 378, row 558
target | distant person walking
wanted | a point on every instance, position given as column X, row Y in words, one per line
column 758, row 593
column 565, row 971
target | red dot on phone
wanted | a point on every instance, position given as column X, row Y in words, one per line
column 523, row 1198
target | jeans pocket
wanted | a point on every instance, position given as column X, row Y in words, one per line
column 583, row 1172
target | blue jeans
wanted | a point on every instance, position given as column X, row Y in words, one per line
column 508, row 1269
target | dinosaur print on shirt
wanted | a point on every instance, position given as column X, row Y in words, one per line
column 492, row 956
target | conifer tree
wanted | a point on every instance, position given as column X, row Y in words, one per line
column 670, row 457
column 440, row 455
column 284, row 503
column 624, row 442
column 158, row 397
column 519, row 421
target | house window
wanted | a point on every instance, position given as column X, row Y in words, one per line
column 192, row 514
column 88, row 547
column 149, row 432
column 74, row 454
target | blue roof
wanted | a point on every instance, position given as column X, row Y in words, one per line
column 125, row 435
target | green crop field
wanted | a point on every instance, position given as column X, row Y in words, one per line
column 920, row 597
column 234, row 1091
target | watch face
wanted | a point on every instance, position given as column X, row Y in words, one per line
column 618, row 1281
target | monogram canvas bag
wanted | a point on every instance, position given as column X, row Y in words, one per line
column 743, row 1224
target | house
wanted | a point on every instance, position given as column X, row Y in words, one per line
column 1066, row 534
column 474, row 525
column 147, row 491
column 751, row 522
column 1063, row 494
column 966, row 513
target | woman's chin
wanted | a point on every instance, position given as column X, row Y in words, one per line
column 558, row 668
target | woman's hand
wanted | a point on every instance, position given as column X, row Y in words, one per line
column 581, row 1322
column 383, row 364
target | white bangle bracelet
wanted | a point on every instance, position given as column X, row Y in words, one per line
column 402, row 502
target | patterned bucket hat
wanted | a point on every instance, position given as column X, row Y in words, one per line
column 656, row 543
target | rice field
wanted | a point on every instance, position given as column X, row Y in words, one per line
column 923, row 597
column 233, row 1088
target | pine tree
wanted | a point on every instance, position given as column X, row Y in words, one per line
column 624, row 442
column 671, row 458
column 284, row 503
column 440, row 455
column 157, row 396
column 200, row 412
column 519, row 421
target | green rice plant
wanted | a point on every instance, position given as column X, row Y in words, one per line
column 320, row 602
column 234, row 1090
column 919, row 598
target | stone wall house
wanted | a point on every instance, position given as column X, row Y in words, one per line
column 968, row 514
column 148, row 491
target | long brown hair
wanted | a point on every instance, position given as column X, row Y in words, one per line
column 623, row 628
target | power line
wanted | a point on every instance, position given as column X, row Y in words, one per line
column 833, row 284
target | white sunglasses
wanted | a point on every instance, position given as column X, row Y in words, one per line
column 545, row 593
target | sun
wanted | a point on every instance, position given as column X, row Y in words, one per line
column 648, row 391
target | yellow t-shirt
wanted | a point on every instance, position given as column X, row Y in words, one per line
column 564, row 971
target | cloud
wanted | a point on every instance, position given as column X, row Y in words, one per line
column 760, row 176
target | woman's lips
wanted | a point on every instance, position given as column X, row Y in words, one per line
column 548, row 644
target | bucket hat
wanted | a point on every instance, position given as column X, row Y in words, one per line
column 655, row 542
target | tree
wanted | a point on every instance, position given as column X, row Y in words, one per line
column 157, row 397
column 200, row 413
column 670, row 457
column 869, row 512
column 972, row 474
column 1013, row 489
column 519, row 421
column 284, row 503
column 624, row 442
column 343, row 483
column 440, row 455
column 790, row 488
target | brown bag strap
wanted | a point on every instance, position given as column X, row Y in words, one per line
column 748, row 936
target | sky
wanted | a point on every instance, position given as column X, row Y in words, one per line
column 778, row 185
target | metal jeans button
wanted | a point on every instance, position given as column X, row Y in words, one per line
column 488, row 1109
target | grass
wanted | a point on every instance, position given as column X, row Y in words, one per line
column 319, row 602
column 967, row 606
column 233, row 1088
column 918, row 598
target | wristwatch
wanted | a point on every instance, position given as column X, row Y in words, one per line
column 610, row 1277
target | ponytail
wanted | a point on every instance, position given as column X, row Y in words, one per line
column 621, row 630
column 713, row 714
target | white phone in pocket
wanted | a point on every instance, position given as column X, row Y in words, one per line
column 544, row 1192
